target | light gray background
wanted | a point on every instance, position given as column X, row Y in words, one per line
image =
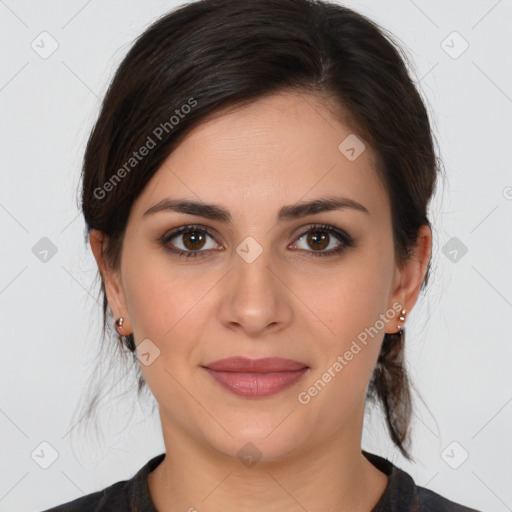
column 459, row 335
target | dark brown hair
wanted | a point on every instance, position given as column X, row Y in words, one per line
column 212, row 55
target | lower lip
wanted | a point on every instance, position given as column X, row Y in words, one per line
column 255, row 385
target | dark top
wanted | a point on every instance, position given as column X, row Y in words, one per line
column 401, row 493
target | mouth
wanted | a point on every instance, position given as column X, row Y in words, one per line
column 255, row 378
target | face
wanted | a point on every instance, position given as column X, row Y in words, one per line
column 261, row 275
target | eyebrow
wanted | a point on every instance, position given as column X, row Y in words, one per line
column 286, row 213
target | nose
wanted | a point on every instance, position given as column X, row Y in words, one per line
column 256, row 299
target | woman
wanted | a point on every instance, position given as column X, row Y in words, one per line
column 255, row 192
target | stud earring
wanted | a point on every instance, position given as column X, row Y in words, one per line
column 127, row 340
column 119, row 324
column 402, row 319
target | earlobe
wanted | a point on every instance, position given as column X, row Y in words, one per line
column 409, row 278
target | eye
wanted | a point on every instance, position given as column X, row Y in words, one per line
column 321, row 237
column 190, row 241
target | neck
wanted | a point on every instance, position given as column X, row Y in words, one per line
column 334, row 475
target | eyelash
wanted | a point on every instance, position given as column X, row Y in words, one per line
column 343, row 237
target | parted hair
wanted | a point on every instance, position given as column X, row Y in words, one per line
column 227, row 53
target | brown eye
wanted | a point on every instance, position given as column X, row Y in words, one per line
column 319, row 238
column 193, row 240
column 189, row 241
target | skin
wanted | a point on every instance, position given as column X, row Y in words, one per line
column 288, row 303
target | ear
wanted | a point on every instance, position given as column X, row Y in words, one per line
column 409, row 277
column 111, row 279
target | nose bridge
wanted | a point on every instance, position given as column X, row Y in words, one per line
column 251, row 274
column 255, row 299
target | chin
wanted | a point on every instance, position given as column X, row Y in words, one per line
column 257, row 441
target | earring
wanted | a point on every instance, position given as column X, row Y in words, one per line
column 125, row 339
column 402, row 319
column 119, row 324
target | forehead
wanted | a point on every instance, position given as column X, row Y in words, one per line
column 277, row 150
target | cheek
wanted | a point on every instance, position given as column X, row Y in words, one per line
column 353, row 301
column 354, row 297
column 166, row 310
column 346, row 354
column 154, row 293
column 166, row 301
column 158, row 304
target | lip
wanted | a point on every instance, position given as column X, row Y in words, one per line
column 263, row 365
column 254, row 378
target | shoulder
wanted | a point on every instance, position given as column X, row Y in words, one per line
column 430, row 501
column 122, row 496
column 403, row 495
column 113, row 497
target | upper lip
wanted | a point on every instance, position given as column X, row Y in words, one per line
column 247, row 365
